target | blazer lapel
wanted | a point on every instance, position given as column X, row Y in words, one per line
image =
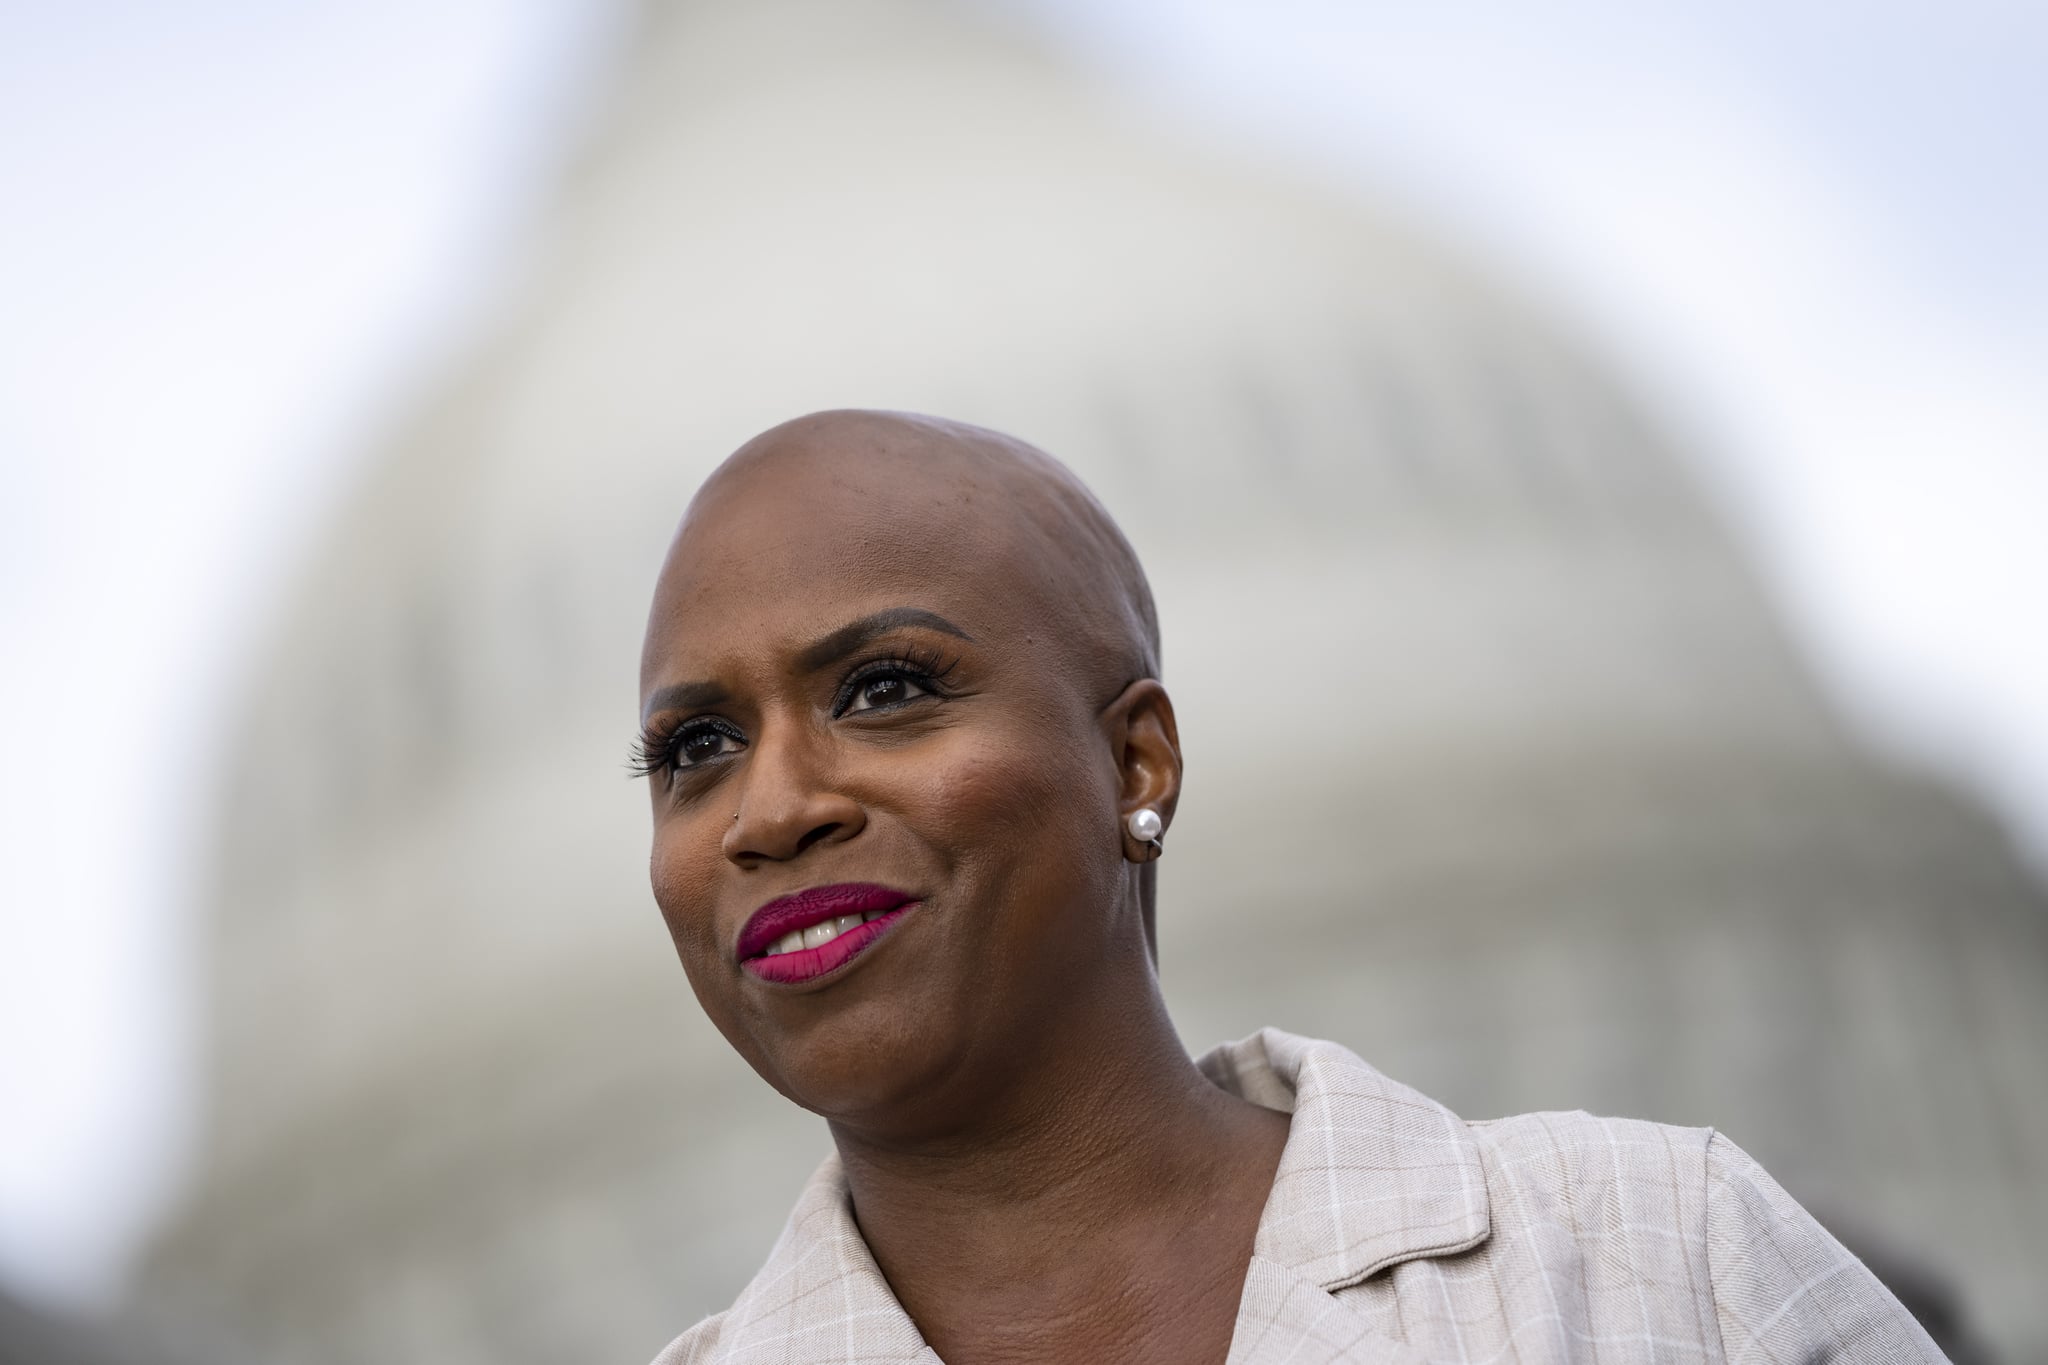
column 1373, row 1174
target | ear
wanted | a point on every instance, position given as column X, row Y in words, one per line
column 1145, row 744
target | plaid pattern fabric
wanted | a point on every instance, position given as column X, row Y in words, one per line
column 1398, row 1233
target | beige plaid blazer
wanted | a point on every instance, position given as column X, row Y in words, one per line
column 1398, row 1233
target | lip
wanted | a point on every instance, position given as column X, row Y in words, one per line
column 815, row 905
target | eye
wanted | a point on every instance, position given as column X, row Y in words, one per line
column 700, row 741
column 885, row 687
column 664, row 752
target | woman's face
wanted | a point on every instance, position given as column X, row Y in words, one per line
column 855, row 678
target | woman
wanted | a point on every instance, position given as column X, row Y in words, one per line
column 911, row 766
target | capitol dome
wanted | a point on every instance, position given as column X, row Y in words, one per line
column 1500, row 769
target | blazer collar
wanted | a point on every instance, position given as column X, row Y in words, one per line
column 1373, row 1173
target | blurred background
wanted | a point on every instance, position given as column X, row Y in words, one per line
column 1590, row 459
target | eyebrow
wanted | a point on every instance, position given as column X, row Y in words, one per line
column 682, row 697
column 851, row 636
column 828, row 649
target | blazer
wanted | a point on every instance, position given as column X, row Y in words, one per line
column 1398, row 1233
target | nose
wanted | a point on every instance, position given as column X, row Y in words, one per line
column 788, row 802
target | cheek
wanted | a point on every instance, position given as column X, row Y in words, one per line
column 683, row 870
column 1023, row 811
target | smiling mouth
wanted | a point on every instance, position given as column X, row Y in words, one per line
column 817, row 931
column 821, row 933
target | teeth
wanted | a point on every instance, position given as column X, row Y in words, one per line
column 797, row 939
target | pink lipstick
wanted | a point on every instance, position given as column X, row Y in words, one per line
column 797, row 937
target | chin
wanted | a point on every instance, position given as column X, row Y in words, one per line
column 866, row 1067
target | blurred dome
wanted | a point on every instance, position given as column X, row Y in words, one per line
column 1500, row 771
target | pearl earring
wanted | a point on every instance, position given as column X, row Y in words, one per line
column 1145, row 826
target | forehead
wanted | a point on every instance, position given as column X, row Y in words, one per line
column 778, row 551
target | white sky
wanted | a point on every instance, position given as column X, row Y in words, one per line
column 236, row 233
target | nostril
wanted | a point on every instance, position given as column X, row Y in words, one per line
column 817, row 835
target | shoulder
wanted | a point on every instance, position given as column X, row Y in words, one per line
column 1577, row 1146
column 1607, row 1207
column 1784, row 1288
column 1592, row 1172
column 1686, row 1212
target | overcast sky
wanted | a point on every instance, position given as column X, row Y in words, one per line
column 237, row 234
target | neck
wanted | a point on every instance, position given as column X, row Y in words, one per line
column 1102, row 1152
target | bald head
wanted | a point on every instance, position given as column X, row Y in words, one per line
column 965, row 499
column 920, row 629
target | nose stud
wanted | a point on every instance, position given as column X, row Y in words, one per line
column 1145, row 826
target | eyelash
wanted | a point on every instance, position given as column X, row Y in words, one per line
column 654, row 749
column 922, row 665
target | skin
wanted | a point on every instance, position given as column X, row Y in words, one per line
column 1039, row 1169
